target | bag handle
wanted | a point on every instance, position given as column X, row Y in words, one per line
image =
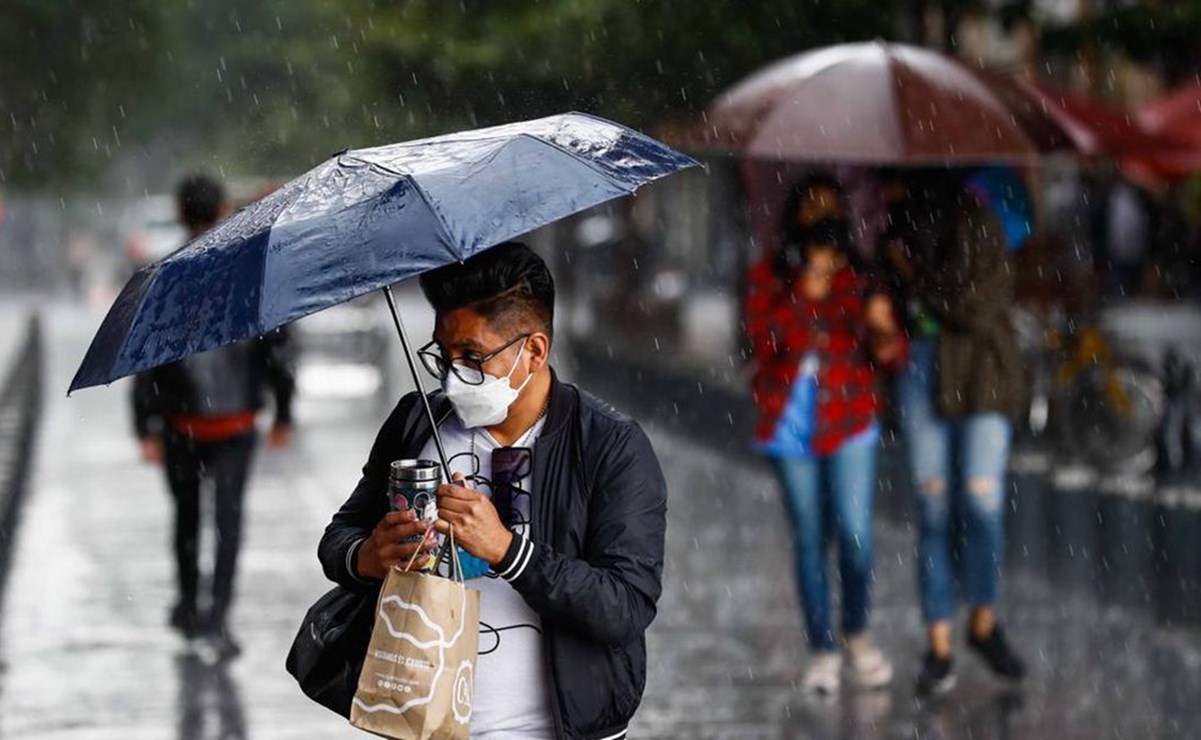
column 456, row 566
column 417, row 552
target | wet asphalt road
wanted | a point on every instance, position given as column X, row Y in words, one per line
column 87, row 655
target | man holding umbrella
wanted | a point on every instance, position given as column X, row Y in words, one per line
column 574, row 531
column 575, row 571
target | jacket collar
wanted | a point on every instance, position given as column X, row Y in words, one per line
column 561, row 407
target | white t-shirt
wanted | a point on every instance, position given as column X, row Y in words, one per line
column 512, row 690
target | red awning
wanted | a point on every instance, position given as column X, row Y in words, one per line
column 1176, row 115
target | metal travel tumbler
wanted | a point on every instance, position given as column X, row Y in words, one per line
column 413, row 484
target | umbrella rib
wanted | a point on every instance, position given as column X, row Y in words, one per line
column 449, row 240
column 301, row 190
column 258, row 310
column 585, row 161
column 108, row 378
column 894, row 92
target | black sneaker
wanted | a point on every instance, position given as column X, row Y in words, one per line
column 185, row 618
column 995, row 651
column 937, row 676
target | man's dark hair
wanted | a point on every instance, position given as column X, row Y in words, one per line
column 509, row 285
column 200, row 198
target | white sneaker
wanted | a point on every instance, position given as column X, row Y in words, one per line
column 869, row 668
column 824, row 675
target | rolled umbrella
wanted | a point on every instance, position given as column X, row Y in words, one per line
column 363, row 221
column 865, row 103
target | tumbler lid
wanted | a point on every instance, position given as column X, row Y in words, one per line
column 416, row 470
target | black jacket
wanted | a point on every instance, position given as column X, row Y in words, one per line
column 225, row 380
column 593, row 563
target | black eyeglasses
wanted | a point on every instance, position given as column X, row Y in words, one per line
column 469, row 368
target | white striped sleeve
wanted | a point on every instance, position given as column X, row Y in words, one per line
column 517, row 560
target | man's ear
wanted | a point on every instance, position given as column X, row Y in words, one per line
column 538, row 347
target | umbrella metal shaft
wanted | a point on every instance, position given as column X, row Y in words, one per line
column 425, row 401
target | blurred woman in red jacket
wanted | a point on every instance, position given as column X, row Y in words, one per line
column 819, row 335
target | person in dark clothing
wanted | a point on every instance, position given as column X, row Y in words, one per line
column 1125, row 226
column 956, row 399
column 196, row 417
column 569, row 580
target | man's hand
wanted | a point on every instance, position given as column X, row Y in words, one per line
column 152, row 450
column 478, row 528
column 384, row 548
column 280, row 436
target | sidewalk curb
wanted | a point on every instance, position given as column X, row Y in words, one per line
column 21, row 394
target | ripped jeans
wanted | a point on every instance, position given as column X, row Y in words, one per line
column 958, row 467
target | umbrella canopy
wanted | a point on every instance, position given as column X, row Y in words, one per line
column 1058, row 121
column 363, row 220
column 1049, row 127
column 1152, row 147
column 866, row 103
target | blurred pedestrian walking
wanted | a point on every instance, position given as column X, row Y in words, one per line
column 956, row 399
column 816, row 336
column 1126, row 226
column 197, row 417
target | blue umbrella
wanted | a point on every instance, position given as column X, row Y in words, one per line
column 362, row 221
column 1003, row 190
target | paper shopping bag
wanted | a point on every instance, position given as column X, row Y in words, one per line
column 419, row 673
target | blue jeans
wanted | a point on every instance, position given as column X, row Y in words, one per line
column 958, row 467
column 834, row 495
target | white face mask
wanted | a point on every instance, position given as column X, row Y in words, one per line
column 486, row 404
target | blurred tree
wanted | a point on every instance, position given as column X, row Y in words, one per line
column 476, row 62
column 68, row 70
column 271, row 86
column 264, row 87
column 1166, row 34
column 260, row 87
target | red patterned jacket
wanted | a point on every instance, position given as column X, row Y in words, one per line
column 783, row 326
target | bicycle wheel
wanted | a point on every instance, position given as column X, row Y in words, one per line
column 1111, row 415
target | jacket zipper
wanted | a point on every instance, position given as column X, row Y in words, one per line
column 547, row 643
